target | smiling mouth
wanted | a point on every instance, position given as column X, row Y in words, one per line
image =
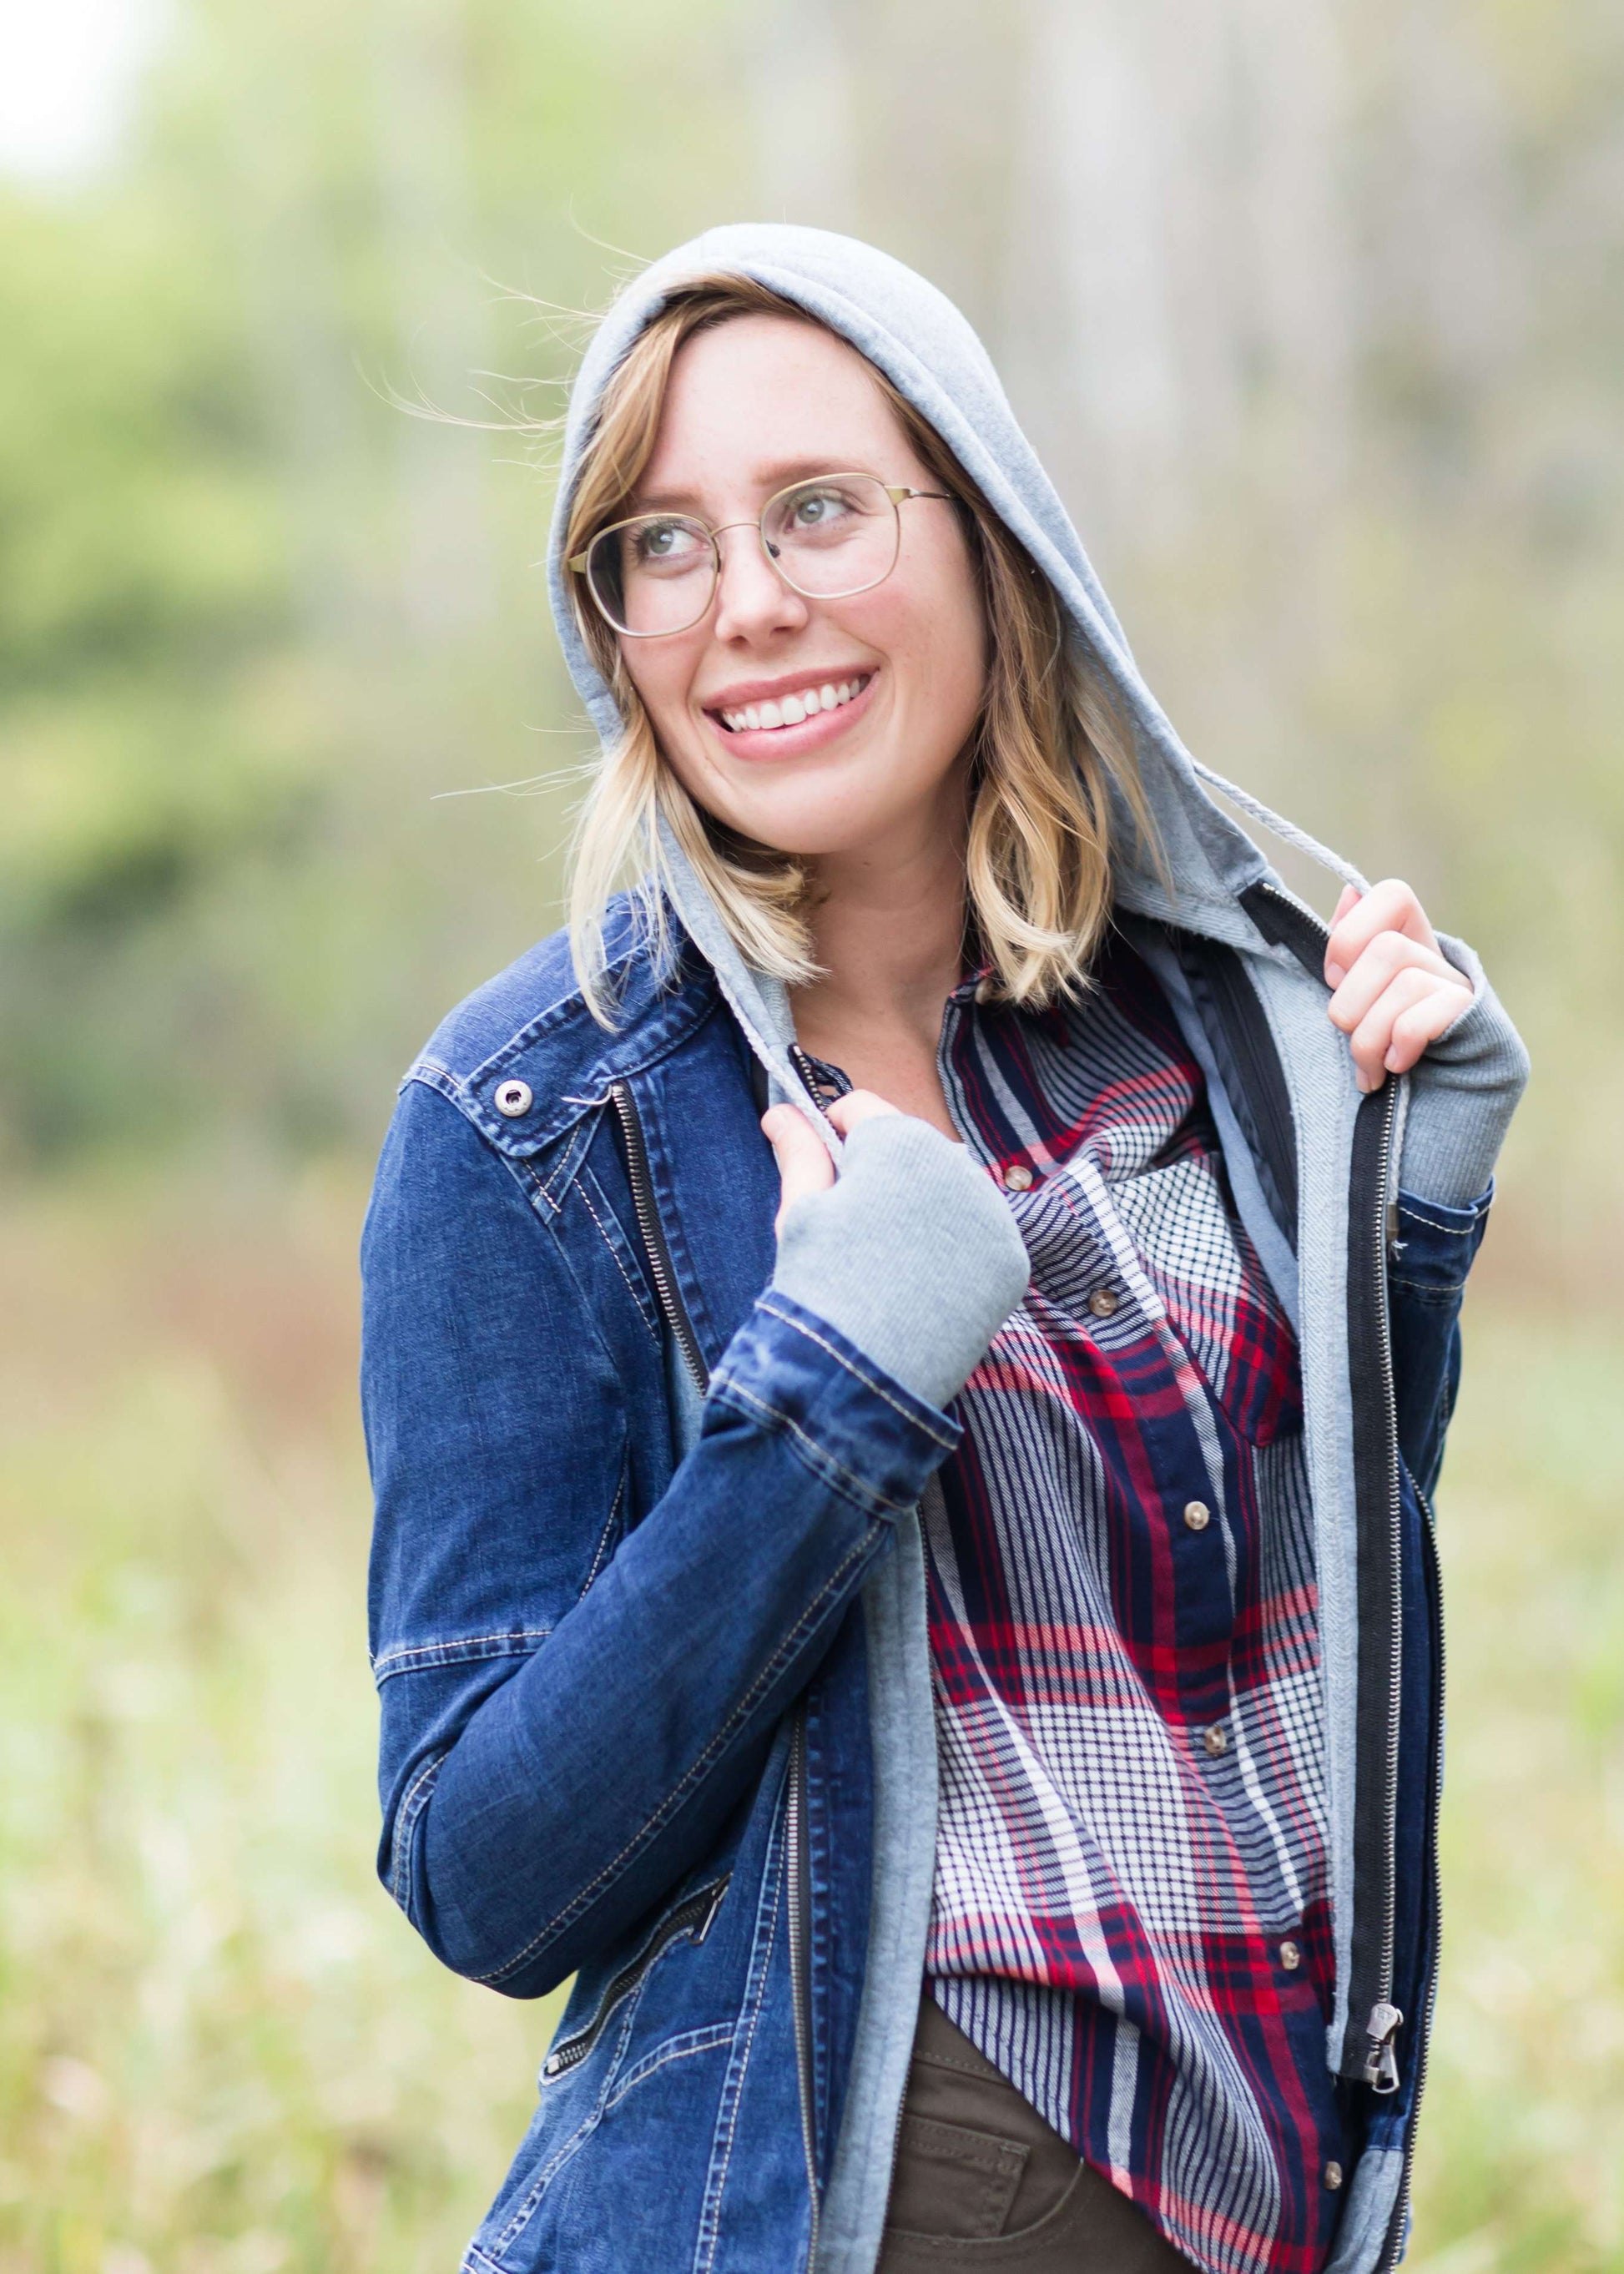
column 792, row 710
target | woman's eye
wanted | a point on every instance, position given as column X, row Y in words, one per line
column 819, row 509
column 661, row 544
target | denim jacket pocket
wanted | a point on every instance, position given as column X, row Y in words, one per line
column 593, row 2066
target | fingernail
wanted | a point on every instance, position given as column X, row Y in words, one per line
column 1335, row 974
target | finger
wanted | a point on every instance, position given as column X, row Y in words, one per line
column 1372, row 1038
column 804, row 1165
column 1349, row 898
column 1391, row 906
column 1387, row 955
column 857, row 1105
column 1422, row 1024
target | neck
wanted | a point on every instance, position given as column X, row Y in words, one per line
column 888, row 928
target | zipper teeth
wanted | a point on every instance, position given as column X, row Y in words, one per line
column 700, row 1909
column 1389, row 1827
column 655, row 1250
column 1395, row 1520
column 802, row 1064
column 794, row 1863
column 1424, row 2043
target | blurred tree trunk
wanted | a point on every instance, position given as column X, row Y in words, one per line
column 420, row 66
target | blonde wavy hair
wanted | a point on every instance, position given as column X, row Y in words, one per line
column 1049, row 745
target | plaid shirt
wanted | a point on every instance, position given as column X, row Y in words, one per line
column 1131, row 1916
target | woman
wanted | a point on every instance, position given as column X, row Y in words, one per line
column 930, row 1619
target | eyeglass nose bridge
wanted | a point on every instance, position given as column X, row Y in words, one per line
column 768, row 546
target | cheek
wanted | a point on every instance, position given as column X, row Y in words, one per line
column 941, row 646
column 661, row 678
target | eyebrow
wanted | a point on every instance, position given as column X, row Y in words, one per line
column 769, row 479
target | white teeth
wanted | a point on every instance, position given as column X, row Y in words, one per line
column 790, row 712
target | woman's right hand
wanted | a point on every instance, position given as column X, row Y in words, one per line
column 804, row 1165
column 911, row 1252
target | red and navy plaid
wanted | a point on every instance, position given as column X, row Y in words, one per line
column 1131, row 1916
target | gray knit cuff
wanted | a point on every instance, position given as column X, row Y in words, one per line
column 913, row 1255
column 1462, row 1094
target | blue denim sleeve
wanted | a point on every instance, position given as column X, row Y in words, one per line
column 569, row 1715
column 1430, row 1257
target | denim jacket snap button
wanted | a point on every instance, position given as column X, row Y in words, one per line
column 514, row 1098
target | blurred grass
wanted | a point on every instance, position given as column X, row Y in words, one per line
column 221, row 2049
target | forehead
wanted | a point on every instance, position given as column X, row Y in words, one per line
column 759, row 394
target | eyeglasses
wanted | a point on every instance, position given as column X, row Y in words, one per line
column 828, row 538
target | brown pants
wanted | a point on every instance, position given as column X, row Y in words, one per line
column 981, row 2180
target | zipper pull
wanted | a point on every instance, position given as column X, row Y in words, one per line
column 1381, row 2063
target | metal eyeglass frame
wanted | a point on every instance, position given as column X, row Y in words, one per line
column 898, row 494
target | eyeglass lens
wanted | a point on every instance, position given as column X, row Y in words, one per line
column 828, row 538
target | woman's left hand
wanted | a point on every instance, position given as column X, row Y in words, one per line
column 1396, row 992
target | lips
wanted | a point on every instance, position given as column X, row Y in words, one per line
column 786, row 724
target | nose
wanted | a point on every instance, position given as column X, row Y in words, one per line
column 752, row 599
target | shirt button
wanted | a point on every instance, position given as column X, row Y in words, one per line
column 514, row 1098
column 1198, row 1515
column 1290, row 1956
column 1216, row 1740
column 1018, row 1177
column 1103, row 1302
column 1333, row 2176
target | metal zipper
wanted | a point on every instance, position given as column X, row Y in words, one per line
column 693, row 1917
column 1435, row 1793
column 662, row 1272
column 1382, row 2061
column 1384, row 2019
column 656, row 1253
column 797, row 1867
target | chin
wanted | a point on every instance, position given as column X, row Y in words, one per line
column 804, row 836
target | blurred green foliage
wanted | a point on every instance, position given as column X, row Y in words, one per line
column 253, row 614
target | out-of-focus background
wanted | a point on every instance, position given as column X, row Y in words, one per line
column 1316, row 308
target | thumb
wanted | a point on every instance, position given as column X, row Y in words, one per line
column 804, row 1165
column 1335, row 969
